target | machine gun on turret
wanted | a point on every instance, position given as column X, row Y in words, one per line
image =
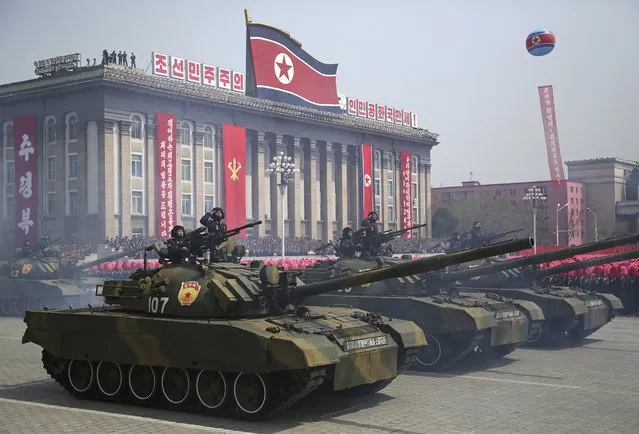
column 372, row 244
column 463, row 242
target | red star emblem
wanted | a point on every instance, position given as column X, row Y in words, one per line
column 187, row 295
column 284, row 68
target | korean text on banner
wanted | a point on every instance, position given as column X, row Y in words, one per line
column 26, row 181
column 407, row 200
column 234, row 150
column 166, row 182
column 366, row 181
column 547, row 100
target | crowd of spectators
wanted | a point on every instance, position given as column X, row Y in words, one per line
column 76, row 251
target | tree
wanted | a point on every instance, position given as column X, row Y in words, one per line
column 443, row 222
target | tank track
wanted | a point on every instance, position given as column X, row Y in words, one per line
column 283, row 389
column 451, row 353
column 564, row 335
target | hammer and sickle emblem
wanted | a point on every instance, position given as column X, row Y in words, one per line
column 234, row 167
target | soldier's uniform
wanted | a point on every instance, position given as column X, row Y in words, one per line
column 369, row 224
column 216, row 228
column 26, row 250
column 178, row 246
column 347, row 245
column 475, row 235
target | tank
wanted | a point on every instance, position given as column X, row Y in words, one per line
column 33, row 282
column 225, row 339
column 456, row 326
column 570, row 314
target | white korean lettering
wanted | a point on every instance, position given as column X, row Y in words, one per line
column 26, row 147
column 26, row 222
column 26, row 185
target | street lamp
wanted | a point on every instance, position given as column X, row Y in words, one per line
column 594, row 208
column 559, row 208
column 534, row 194
column 281, row 164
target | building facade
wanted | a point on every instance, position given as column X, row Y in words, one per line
column 97, row 150
column 611, row 185
column 564, row 204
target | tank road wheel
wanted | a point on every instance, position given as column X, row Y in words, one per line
column 109, row 378
column 80, row 375
column 535, row 332
column 250, row 393
column 211, row 389
column 142, row 382
column 431, row 354
column 176, row 385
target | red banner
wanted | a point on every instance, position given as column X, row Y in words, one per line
column 234, row 150
column 26, row 170
column 166, row 182
column 407, row 192
column 547, row 101
column 366, row 182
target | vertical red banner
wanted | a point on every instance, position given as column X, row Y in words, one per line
column 407, row 192
column 166, row 182
column 234, row 150
column 547, row 100
column 366, row 182
column 26, row 179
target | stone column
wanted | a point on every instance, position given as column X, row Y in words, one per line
column 61, row 198
column 341, row 185
column 295, row 189
column 198, row 177
column 151, row 178
column 327, row 190
column 427, row 203
column 274, row 142
column 353, row 173
column 259, row 186
column 310, row 188
column 81, row 184
column 125, row 165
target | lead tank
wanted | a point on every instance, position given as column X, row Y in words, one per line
column 569, row 313
column 225, row 339
column 456, row 326
column 33, row 282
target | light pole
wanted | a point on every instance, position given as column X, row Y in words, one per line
column 281, row 164
column 594, row 208
column 559, row 208
column 534, row 194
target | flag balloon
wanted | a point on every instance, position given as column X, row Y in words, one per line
column 540, row 42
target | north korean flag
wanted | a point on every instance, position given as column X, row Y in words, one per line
column 283, row 72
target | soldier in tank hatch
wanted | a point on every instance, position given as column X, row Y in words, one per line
column 347, row 245
column 178, row 246
column 369, row 227
column 475, row 235
column 212, row 220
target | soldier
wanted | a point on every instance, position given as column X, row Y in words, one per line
column 26, row 250
column 369, row 226
column 133, row 60
column 475, row 235
column 216, row 228
column 347, row 245
column 178, row 246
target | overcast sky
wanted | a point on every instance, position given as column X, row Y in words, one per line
column 461, row 65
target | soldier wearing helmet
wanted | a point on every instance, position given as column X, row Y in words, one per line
column 475, row 235
column 370, row 230
column 178, row 245
column 347, row 245
column 216, row 228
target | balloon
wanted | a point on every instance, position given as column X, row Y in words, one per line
column 540, row 42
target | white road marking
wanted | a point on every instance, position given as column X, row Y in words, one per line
column 124, row 416
column 504, row 380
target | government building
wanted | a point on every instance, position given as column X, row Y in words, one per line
column 96, row 158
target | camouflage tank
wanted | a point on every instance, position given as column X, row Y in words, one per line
column 569, row 313
column 32, row 282
column 225, row 338
column 455, row 325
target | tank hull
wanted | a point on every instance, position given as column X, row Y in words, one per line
column 281, row 358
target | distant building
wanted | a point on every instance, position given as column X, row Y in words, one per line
column 572, row 217
column 611, row 192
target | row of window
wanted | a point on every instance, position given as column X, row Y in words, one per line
column 50, row 170
column 388, row 160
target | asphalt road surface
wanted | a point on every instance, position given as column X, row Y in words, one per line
column 590, row 388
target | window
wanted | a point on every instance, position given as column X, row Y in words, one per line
column 186, row 204
column 572, row 201
column 50, row 203
column 413, row 191
column 11, row 175
column 391, row 214
column 73, row 166
column 137, row 232
column 389, row 188
column 72, row 132
column 185, row 134
column 136, row 127
column 571, row 189
column 8, row 140
column 385, row 162
column 208, row 171
column 11, row 206
column 136, row 165
column 415, row 216
column 208, row 203
column 513, row 192
column 50, row 168
column 378, row 210
column 445, row 196
column 50, row 131
column 137, row 204
column 186, row 170
column 73, row 203
column 378, row 187
column 207, row 140
column 377, row 164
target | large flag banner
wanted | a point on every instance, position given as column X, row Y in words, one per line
column 166, row 182
column 278, row 69
column 366, row 183
column 26, row 179
column 234, row 150
column 547, row 100
column 407, row 192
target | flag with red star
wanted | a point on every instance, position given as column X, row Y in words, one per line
column 278, row 69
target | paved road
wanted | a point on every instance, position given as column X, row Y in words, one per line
column 591, row 388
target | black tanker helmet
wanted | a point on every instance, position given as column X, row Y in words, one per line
column 217, row 208
column 371, row 214
column 346, row 230
column 175, row 229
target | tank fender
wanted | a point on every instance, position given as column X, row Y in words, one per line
column 482, row 318
column 302, row 353
column 611, row 300
column 411, row 334
column 578, row 306
column 535, row 313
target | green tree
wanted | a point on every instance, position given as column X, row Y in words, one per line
column 444, row 222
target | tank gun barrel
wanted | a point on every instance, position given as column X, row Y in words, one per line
column 539, row 258
column 409, row 268
column 109, row 258
column 565, row 268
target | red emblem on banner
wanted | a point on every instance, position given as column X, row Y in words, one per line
column 188, row 292
column 234, row 152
